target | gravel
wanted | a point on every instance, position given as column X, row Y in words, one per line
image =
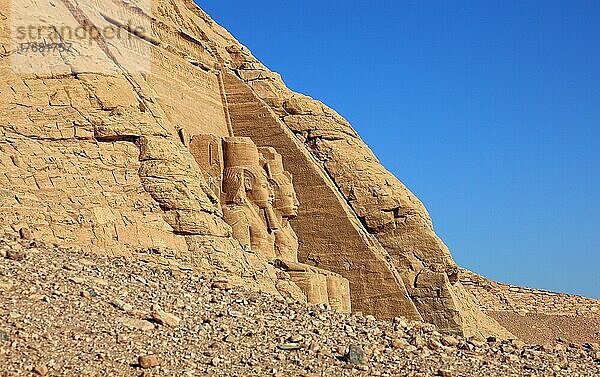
column 67, row 313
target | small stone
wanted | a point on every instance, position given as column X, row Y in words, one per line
column 518, row 344
column 434, row 344
column 596, row 356
column 401, row 322
column 445, row 373
column 476, row 343
column 466, row 346
column 417, row 341
column 41, row 370
column 120, row 304
column 559, row 347
column 296, row 338
column 16, row 255
column 556, row 368
column 76, row 280
column 100, row 282
column 165, row 319
column 449, row 341
column 289, row 346
column 400, row 343
column 362, row 367
column 221, row 285
column 148, row 361
column 25, row 234
column 137, row 324
column 355, row 355
column 3, row 336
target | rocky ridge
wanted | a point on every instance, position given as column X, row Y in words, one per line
column 67, row 312
column 536, row 315
column 493, row 296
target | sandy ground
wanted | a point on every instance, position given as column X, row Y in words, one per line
column 544, row 329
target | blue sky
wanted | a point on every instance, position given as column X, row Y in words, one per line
column 489, row 111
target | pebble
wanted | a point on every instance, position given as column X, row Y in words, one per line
column 41, row 370
column 417, row 341
column 222, row 284
column 92, row 292
column 434, row 344
column 449, row 341
column 355, row 355
column 16, row 255
column 148, row 361
column 120, row 304
column 25, row 234
column 476, row 342
column 289, row 346
column 165, row 319
column 138, row 324
column 400, row 343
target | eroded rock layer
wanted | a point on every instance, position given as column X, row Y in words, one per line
column 536, row 315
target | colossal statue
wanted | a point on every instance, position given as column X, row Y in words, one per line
column 320, row 286
column 248, row 197
column 285, row 205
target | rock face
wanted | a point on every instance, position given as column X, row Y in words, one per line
column 154, row 129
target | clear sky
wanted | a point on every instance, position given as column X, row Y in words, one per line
column 489, row 111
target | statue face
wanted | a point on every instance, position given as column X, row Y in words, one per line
column 285, row 197
column 287, row 203
column 259, row 191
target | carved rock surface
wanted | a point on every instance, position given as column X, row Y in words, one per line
column 95, row 152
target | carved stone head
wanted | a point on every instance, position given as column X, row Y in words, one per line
column 286, row 201
column 244, row 179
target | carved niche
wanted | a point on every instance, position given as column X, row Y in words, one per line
column 259, row 201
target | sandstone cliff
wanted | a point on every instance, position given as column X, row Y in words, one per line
column 94, row 152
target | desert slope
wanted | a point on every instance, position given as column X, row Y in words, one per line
column 67, row 312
